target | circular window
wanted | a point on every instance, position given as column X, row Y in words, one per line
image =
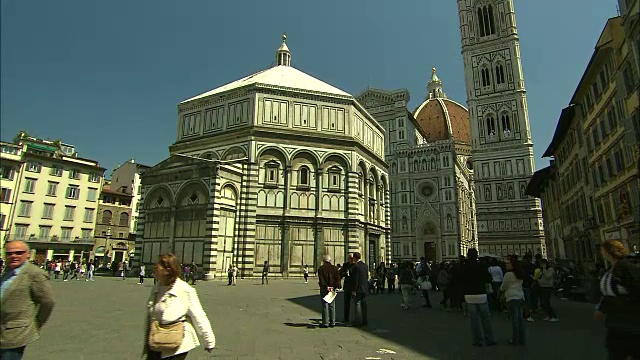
column 426, row 190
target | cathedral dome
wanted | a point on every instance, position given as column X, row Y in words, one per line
column 439, row 118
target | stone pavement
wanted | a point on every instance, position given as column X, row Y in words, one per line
column 104, row 320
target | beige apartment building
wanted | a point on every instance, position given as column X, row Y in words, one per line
column 630, row 89
column 126, row 179
column 10, row 170
column 56, row 200
column 593, row 180
column 114, row 240
column 566, row 189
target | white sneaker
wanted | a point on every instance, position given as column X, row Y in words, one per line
column 529, row 319
column 546, row 318
column 554, row 320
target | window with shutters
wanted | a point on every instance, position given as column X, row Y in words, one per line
column 69, row 213
column 30, row 185
column 25, row 208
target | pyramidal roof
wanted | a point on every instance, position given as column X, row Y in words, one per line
column 280, row 76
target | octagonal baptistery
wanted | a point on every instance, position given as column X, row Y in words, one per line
column 277, row 166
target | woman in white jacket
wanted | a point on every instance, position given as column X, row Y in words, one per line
column 172, row 300
column 514, row 296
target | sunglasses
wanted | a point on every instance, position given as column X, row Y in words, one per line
column 19, row 252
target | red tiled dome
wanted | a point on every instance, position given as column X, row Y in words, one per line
column 434, row 115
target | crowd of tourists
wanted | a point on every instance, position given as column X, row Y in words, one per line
column 472, row 285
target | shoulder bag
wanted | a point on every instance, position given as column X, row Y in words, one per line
column 424, row 283
column 165, row 337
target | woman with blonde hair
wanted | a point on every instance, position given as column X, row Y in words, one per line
column 175, row 315
column 620, row 288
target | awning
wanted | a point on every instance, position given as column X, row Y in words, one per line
column 41, row 147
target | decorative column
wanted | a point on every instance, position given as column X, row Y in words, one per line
column 285, row 250
column 247, row 205
column 318, row 247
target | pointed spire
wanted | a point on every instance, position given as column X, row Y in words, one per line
column 283, row 55
column 434, row 76
column 435, row 86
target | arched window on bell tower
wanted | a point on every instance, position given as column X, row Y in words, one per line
column 492, row 25
column 500, row 74
column 491, row 126
column 486, row 21
column 486, row 77
column 506, row 125
column 481, row 22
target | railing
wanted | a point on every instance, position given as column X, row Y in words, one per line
column 50, row 239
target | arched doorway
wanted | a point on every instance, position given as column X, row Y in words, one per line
column 227, row 229
column 430, row 251
column 429, row 239
column 372, row 259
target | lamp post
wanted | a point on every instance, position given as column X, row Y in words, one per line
column 106, row 246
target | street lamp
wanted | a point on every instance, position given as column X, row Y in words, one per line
column 106, row 246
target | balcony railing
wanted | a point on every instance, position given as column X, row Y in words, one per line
column 50, row 239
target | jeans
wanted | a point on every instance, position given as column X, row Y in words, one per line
column 347, row 305
column 534, row 294
column 141, row 279
column 494, row 300
column 11, row 354
column 405, row 289
column 89, row 275
column 361, row 308
column 152, row 355
column 328, row 311
column 265, row 278
column 545, row 300
column 516, row 309
column 391, row 284
column 425, row 294
column 527, row 301
column 480, row 322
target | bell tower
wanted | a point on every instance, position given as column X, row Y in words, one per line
column 508, row 220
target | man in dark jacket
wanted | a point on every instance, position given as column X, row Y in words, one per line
column 349, row 285
column 265, row 273
column 475, row 281
column 360, row 272
column 329, row 281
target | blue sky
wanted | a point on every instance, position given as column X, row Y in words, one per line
column 107, row 76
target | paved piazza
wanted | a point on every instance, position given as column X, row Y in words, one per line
column 104, row 320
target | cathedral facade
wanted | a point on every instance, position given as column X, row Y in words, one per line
column 509, row 221
column 277, row 166
column 431, row 178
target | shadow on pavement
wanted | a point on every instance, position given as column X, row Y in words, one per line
column 438, row 334
column 383, row 322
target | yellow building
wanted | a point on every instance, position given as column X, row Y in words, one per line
column 56, row 197
column 10, row 170
column 604, row 93
column 590, row 191
column 630, row 89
